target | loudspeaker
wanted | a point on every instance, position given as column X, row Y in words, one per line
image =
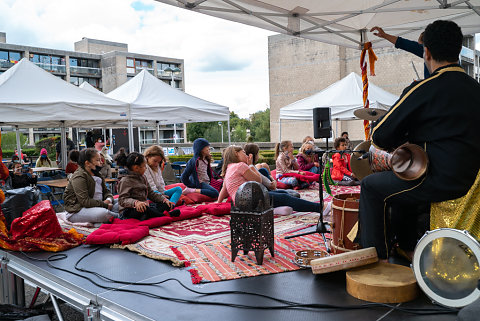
column 322, row 125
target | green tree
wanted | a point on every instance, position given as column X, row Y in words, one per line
column 260, row 126
column 9, row 140
column 211, row 131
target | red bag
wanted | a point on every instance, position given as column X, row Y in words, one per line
column 216, row 183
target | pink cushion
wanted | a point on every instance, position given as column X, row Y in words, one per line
column 186, row 213
column 117, row 233
column 167, row 187
column 216, row 209
column 151, row 222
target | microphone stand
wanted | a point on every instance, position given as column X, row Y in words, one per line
column 321, row 225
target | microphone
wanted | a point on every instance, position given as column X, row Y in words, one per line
column 365, row 155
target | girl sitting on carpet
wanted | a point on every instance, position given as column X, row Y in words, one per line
column 286, row 163
column 156, row 163
column 133, row 191
column 86, row 197
column 307, row 159
column 236, row 171
column 198, row 174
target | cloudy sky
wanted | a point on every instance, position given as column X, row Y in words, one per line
column 225, row 62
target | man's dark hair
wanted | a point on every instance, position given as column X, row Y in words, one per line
column 344, row 133
column 444, row 40
column 74, row 155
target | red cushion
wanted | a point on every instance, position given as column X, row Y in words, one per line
column 280, row 185
column 38, row 221
column 200, row 198
column 174, row 185
column 151, row 222
column 117, row 233
column 186, row 213
column 184, row 200
column 216, row 209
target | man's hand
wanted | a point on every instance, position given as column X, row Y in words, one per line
column 382, row 34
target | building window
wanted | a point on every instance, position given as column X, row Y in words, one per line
column 134, row 66
column 87, row 67
column 9, row 58
column 77, row 81
column 49, row 63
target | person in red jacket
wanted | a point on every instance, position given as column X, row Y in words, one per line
column 341, row 162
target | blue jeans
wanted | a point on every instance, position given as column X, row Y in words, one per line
column 315, row 170
column 282, row 198
column 174, row 194
column 207, row 189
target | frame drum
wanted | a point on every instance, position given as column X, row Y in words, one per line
column 446, row 266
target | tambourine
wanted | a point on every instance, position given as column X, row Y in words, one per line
column 446, row 267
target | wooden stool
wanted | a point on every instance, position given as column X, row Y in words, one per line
column 462, row 213
column 382, row 283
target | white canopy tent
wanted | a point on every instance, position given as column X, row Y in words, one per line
column 32, row 97
column 85, row 85
column 341, row 22
column 154, row 102
column 343, row 97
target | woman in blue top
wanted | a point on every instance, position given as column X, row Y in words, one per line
column 198, row 173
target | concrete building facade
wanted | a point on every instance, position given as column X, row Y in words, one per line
column 105, row 65
column 299, row 68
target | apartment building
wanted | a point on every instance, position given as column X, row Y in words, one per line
column 105, row 65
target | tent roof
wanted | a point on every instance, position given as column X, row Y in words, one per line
column 341, row 22
column 343, row 97
column 85, row 85
column 32, row 97
column 152, row 100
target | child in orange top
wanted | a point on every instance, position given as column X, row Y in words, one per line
column 341, row 162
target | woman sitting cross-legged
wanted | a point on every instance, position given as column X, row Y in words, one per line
column 86, row 197
column 155, row 165
column 236, row 171
column 134, row 193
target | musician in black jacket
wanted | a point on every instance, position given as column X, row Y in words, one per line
column 441, row 114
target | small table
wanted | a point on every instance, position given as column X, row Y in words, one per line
column 45, row 169
column 62, row 183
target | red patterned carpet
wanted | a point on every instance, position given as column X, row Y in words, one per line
column 212, row 229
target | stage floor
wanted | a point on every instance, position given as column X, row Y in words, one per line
column 299, row 286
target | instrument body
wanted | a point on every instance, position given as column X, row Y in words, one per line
column 408, row 162
column 446, row 266
column 345, row 222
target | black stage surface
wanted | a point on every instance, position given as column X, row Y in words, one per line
column 299, row 286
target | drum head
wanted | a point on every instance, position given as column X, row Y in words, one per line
column 446, row 266
column 361, row 168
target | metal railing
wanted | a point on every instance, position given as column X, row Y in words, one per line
column 6, row 64
column 52, row 67
column 90, row 71
column 140, row 68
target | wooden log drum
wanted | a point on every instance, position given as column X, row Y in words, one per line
column 345, row 222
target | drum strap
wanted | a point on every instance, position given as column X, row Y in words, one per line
column 340, row 239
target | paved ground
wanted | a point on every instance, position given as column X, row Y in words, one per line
column 69, row 314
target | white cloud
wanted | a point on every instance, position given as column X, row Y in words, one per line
column 225, row 62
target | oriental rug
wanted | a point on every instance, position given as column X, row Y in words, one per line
column 212, row 229
column 211, row 262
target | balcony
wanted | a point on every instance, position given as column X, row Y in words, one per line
column 85, row 71
column 168, row 74
column 138, row 69
column 52, row 68
column 6, row 64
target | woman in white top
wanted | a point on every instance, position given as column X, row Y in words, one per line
column 156, row 162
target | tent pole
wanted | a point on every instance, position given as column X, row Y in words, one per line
column 279, row 129
column 131, row 146
column 63, row 150
column 158, row 132
column 110, row 132
column 139, row 139
column 105, row 137
column 78, row 137
column 174, row 133
column 229, row 136
column 19, row 146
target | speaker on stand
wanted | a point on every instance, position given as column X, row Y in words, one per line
column 322, row 123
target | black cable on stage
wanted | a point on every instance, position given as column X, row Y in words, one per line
column 287, row 304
